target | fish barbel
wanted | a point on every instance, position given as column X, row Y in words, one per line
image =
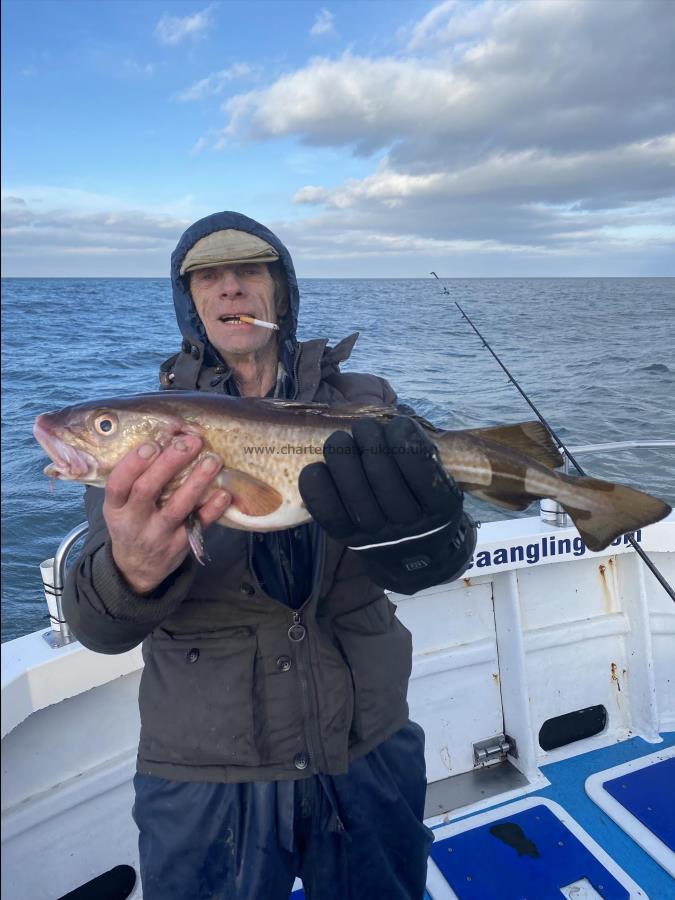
column 264, row 445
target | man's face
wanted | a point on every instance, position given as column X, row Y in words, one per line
column 224, row 291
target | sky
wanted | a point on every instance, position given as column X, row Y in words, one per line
column 377, row 138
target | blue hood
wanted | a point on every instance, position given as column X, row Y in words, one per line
column 186, row 314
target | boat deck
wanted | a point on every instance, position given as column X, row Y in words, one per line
column 558, row 841
column 532, row 676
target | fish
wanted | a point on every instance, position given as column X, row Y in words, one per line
column 265, row 443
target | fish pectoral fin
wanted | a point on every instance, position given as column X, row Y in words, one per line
column 196, row 539
column 516, row 502
column 250, row 495
column 529, row 438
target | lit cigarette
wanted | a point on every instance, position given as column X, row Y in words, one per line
column 251, row 320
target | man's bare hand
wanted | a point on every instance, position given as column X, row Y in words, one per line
column 150, row 541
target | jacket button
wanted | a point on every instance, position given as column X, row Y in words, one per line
column 284, row 663
column 192, row 655
column 301, row 760
column 247, row 588
column 296, row 633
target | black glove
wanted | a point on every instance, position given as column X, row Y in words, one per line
column 384, row 493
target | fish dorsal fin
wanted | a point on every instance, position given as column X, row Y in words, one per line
column 354, row 410
column 341, row 411
column 252, row 496
column 530, row 438
column 289, row 405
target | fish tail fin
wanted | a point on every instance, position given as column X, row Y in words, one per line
column 602, row 510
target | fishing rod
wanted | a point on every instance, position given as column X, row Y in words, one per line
column 631, row 540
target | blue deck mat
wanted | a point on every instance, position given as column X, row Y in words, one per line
column 649, row 795
column 529, row 855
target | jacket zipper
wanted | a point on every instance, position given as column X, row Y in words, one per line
column 308, row 695
column 313, row 731
column 296, row 363
column 304, row 687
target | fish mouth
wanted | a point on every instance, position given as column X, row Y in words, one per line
column 68, row 463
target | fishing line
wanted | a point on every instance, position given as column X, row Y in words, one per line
column 631, row 540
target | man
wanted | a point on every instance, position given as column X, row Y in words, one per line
column 275, row 738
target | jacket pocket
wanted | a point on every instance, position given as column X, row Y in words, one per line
column 378, row 651
column 196, row 699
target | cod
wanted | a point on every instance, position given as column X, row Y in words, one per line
column 264, row 444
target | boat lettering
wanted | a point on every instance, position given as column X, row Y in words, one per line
column 546, row 547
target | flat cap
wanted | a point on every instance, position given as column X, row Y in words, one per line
column 227, row 247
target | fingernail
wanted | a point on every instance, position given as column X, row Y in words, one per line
column 147, row 451
column 222, row 498
column 180, row 444
column 210, row 463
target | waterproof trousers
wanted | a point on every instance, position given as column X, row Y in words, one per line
column 358, row 836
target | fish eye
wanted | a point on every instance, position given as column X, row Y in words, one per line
column 105, row 424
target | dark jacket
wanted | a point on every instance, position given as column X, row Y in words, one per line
column 238, row 686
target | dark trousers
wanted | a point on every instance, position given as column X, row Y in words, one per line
column 349, row 837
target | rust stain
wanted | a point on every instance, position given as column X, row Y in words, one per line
column 495, row 675
column 467, row 582
column 605, row 583
column 614, row 670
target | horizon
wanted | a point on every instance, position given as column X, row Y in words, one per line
column 350, row 277
column 483, row 138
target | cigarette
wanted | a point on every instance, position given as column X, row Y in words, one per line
column 251, row 320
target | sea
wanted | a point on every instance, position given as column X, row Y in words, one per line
column 594, row 354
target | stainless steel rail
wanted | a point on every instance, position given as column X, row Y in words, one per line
column 60, row 634
column 552, row 512
column 625, row 445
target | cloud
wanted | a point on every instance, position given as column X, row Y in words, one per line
column 12, row 201
column 457, row 23
column 213, row 84
column 523, row 177
column 172, row 30
column 323, row 24
column 515, row 87
column 371, row 103
column 131, row 68
column 199, row 145
column 498, row 124
column 497, row 132
column 83, row 229
column 533, row 240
